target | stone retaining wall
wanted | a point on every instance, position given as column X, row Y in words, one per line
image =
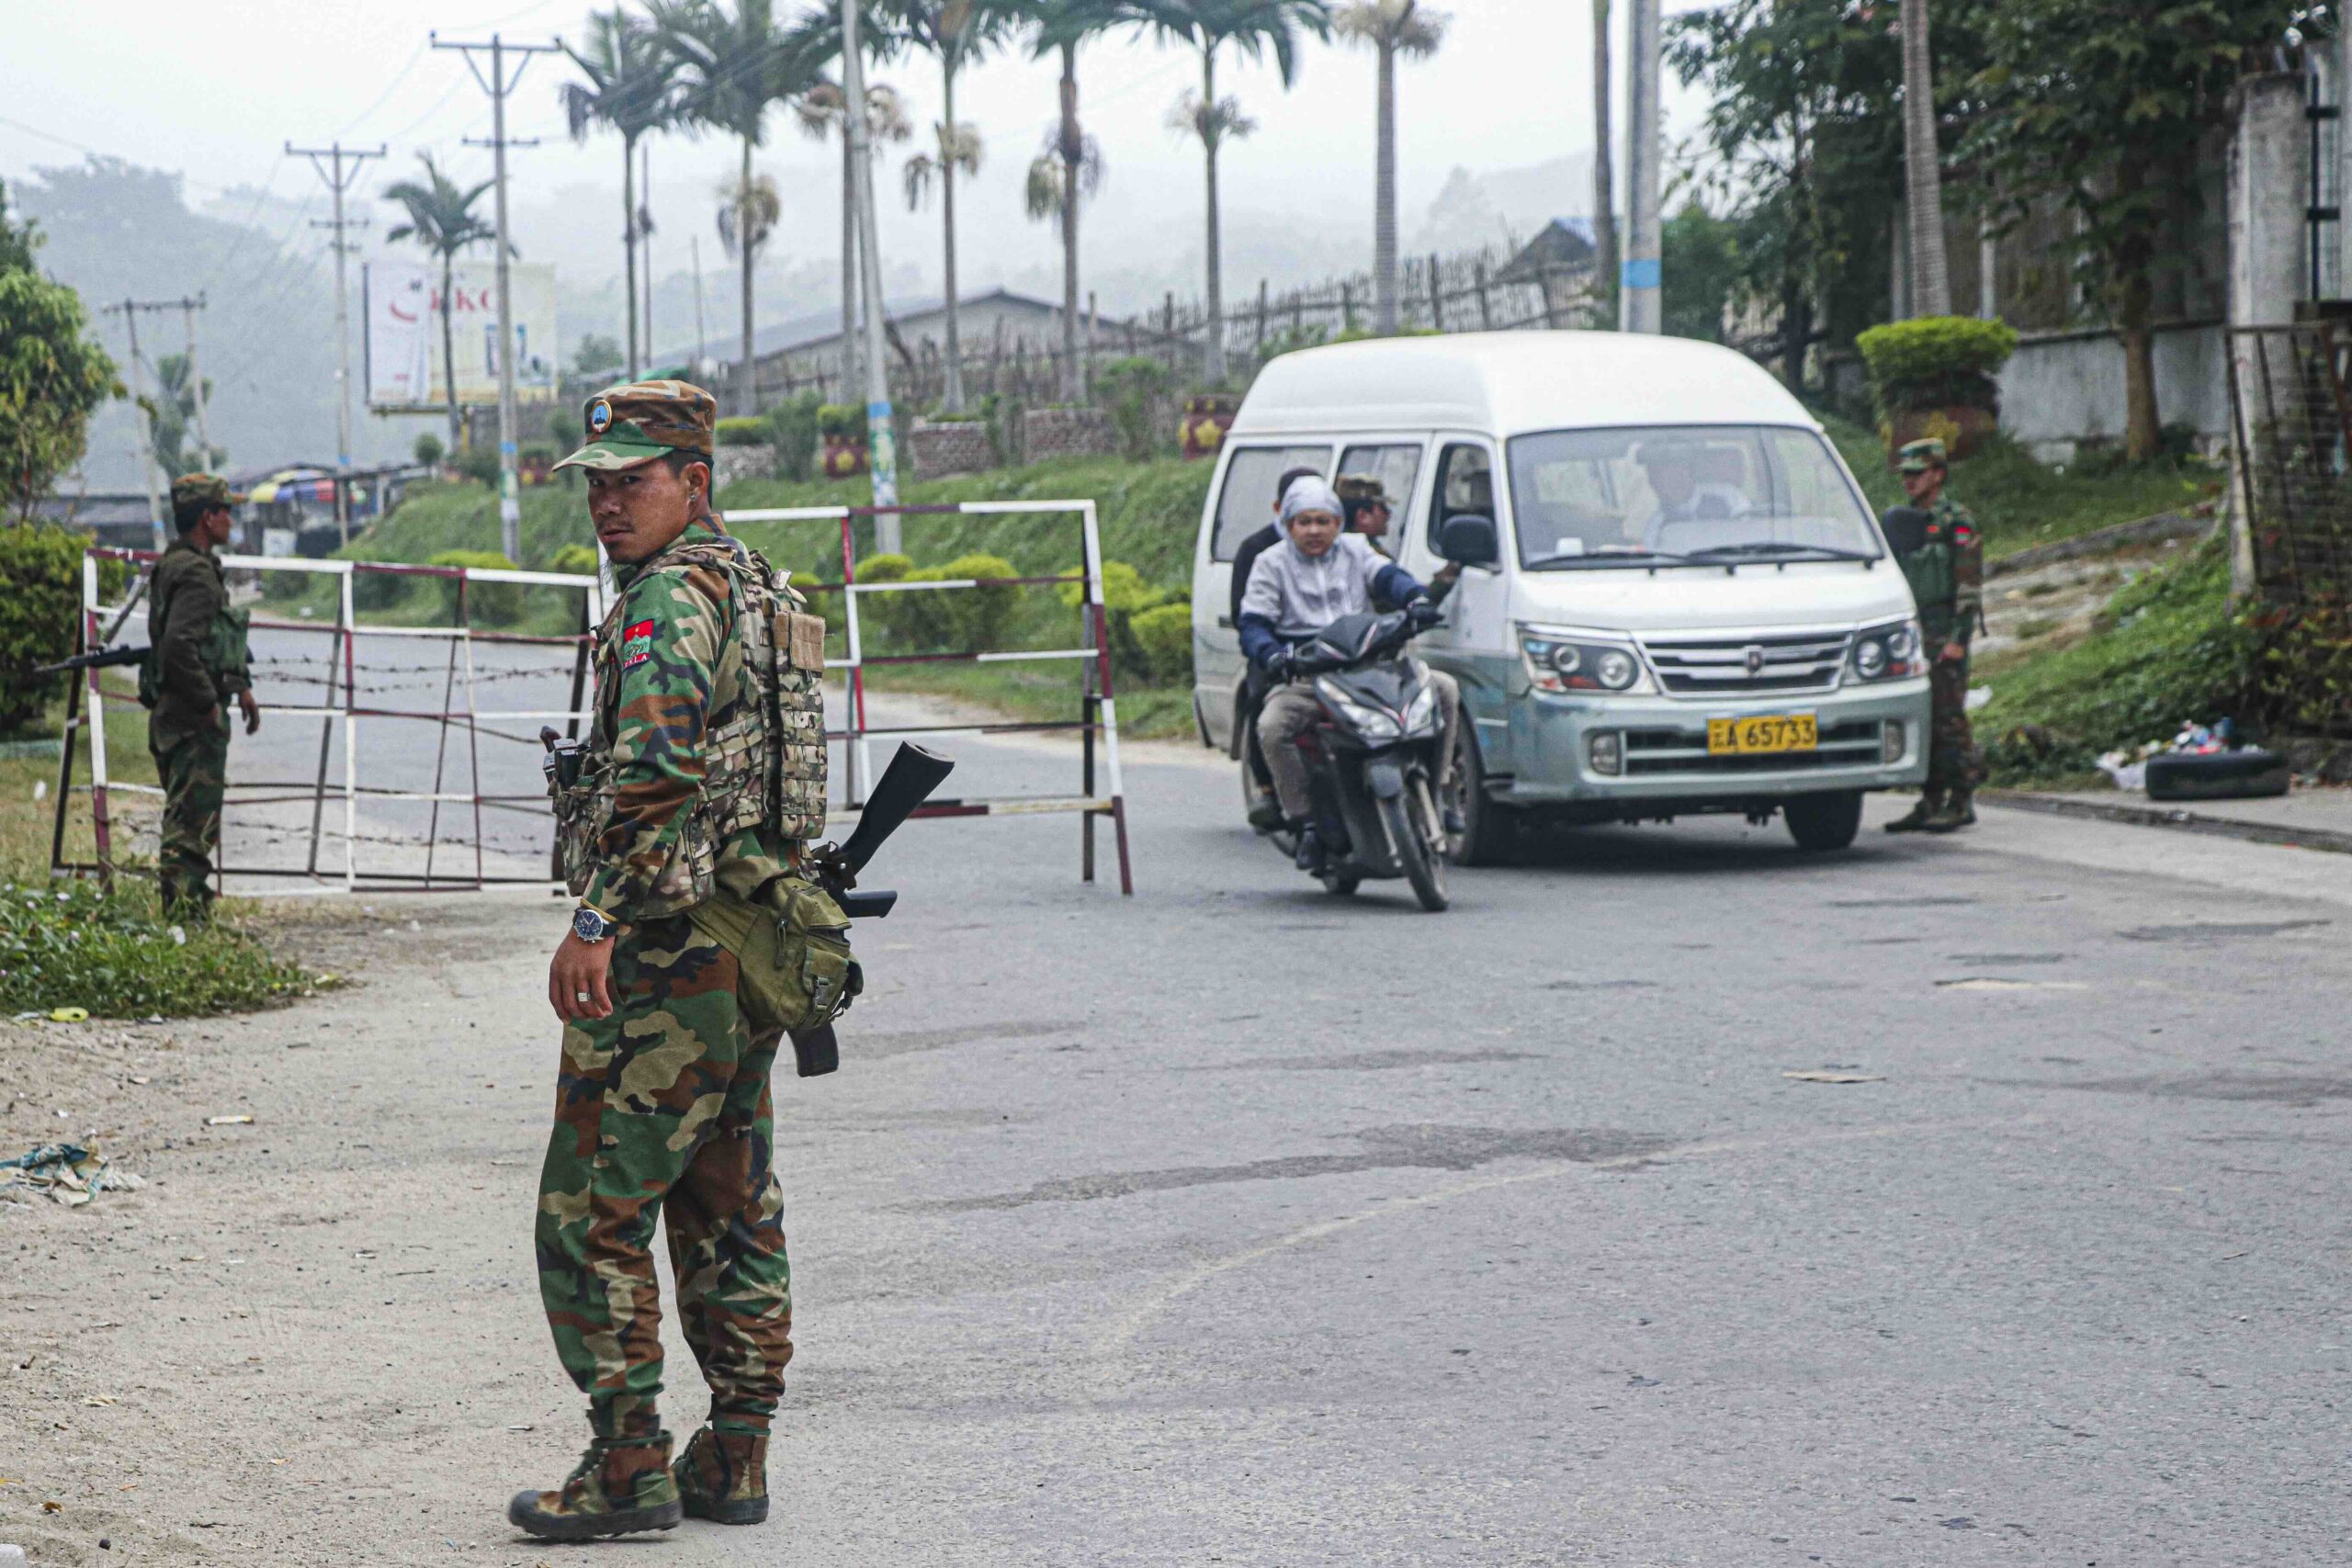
column 1068, row 433
column 943, row 450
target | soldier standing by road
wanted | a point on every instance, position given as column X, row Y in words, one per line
column 1947, row 576
column 698, row 943
column 197, row 660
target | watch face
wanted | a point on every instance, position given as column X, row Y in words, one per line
column 589, row 925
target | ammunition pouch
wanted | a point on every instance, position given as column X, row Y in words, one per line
column 791, row 947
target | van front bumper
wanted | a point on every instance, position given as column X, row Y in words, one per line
column 1560, row 748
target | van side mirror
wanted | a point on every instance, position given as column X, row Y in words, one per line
column 1468, row 539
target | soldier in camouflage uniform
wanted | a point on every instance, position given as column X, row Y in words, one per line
column 197, row 661
column 1947, row 578
column 697, row 945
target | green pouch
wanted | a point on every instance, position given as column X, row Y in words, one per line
column 792, row 952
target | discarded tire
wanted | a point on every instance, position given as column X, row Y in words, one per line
column 2217, row 776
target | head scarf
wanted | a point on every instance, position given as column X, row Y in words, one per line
column 1308, row 494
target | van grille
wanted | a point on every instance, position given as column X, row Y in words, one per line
column 1751, row 666
column 1653, row 752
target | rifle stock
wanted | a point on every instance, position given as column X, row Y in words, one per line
column 904, row 785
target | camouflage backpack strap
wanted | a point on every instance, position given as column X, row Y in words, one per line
column 797, row 712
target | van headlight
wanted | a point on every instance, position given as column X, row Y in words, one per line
column 1580, row 661
column 1886, row 652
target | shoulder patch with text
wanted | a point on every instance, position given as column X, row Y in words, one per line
column 637, row 644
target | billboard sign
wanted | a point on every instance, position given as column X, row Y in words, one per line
column 402, row 301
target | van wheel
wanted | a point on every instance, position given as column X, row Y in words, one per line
column 1492, row 829
column 1820, row 823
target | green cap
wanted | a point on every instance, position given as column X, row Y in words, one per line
column 210, row 489
column 1361, row 490
column 1918, row 456
column 636, row 423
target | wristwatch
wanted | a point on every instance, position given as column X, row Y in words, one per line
column 590, row 924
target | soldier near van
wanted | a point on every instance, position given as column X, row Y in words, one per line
column 698, row 942
column 1947, row 576
column 197, row 662
column 1365, row 509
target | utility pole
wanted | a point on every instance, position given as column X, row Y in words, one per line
column 188, row 307
column 882, row 440
column 130, row 308
column 342, row 167
column 645, row 238
column 702, row 350
column 1639, row 306
column 498, row 84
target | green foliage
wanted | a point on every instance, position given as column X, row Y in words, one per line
column 842, row 421
column 2164, row 650
column 1935, row 361
column 479, row 464
column 1131, row 389
column 596, row 355
column 370, row 591
column 536, row 452
column 487, row 604
column 73, row 945
column 1126, row 599
column 1163, row 636
column 428, row 449
column 18, row 241
column 747, row 431
column 2302, row 665
column 576, row 559
column 793, row 427
column 892, row 567
column 1702, row 267
column 52, row 376
column 40, row 614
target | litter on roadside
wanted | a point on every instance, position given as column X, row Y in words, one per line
column 2199, row 762
column 1822, row 1075
column 68, row 1173
column 228, row 1120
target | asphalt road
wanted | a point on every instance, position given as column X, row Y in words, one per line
column 1235, row 1222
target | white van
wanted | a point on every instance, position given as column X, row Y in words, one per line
column 1680, row 602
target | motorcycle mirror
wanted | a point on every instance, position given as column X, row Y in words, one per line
column 1468, row 539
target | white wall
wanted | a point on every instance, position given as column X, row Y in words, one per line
column 2063, row 389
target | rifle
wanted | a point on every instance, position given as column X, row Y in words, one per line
column 905, row 784
column 105, row 658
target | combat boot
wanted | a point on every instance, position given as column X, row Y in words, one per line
column 723, row 1475
column 1958, row 811
column 621, row 1485
column 1915, row 819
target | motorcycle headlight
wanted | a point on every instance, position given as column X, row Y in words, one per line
column 1369, row 722
column 1421, row 715
column 1561, row 661
column 1886, row 652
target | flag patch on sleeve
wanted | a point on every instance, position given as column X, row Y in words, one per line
column 637, row 644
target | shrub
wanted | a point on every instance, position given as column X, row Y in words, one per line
column 574, row 560
column 1125, row 597
column 487, row 604
column 792, row 426
column 962, row 620
column 1163, row 638
column 879, row 614
column 428, row 449
column 369, row 589
column 40, row 612
column 77, row 945
column 1935, row 361
column 1131, row 391
column 479, row 464
column 845, row 419
column 747, row 431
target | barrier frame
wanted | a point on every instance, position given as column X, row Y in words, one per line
column 345, row 630
column 1099, row 706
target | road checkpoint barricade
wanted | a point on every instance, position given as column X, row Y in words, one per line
column 1099, row 713
column 460, row 679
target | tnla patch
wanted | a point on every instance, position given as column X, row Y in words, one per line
column 637, row 644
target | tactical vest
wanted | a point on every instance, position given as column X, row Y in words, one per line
column 1933, row 571
column 226, row 652
column 764, row 754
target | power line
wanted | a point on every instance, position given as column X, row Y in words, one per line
column 128, row 309
column 339, row 180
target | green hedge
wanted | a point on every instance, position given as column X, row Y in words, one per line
column 1935, row 361
column 841, row 419
column 487, row 604
column 748, row 431
column 1163, row 636
column 792, row 427
column 577, row 561
column 40, row 612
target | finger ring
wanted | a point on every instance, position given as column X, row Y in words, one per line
column 579, row 996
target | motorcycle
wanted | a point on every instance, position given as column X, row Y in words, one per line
column 1372, row 759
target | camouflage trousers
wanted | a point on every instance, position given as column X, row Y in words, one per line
column 194, row 771
column 1952, row 767
column 663, row 1111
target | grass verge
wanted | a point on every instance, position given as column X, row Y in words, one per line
column 114, row 954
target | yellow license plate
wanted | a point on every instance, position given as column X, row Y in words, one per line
column 1764, row 733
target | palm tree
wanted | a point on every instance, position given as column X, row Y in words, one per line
column 1604, row 165
column 631, row 86
column 441, row 220
column 825, row 112
column 733, row 65
column 1063, row 25
column 958, row 32
column 1255, row 29
column 1392, row 27
column 173, row 411
column 1922, row 169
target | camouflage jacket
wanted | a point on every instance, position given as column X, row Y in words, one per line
column 706, row 759
column 1947, row 575
column 198, row 659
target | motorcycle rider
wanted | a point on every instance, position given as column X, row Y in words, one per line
column 1265, row 812
column 1317, row 575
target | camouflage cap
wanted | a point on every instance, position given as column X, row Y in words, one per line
column 1918, row 456
column 211, row 489
column 1363, row 490
column 636, row 422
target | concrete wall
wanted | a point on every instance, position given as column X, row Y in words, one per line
column 2063, row 391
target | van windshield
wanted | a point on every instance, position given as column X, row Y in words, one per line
column 1586, row 498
